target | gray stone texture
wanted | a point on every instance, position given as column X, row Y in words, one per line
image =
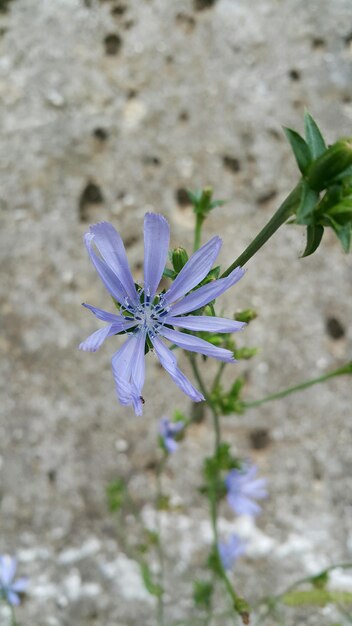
column 109, row 109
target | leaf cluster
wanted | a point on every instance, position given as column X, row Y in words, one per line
column 326, row 185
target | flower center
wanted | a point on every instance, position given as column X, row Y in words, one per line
column 148, row 315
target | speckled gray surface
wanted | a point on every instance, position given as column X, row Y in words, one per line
column 108, row 109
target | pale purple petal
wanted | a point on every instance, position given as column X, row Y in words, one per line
column 242, row 505
column 8, row 565
column 112, row 250
column 200, row 297
column 107, row 276
column 196, row 268
column 20, row 585
column 170, row 444
column 94, row 341
column 195, row 344
column 12, row 597
column 156, row 246
column 104, row 315
column 128, row 372
column 169, row 362
column 205, row 323
column 230, row 550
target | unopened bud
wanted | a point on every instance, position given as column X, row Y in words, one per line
column 245, row 316
column 330, row 164
column 179, row 258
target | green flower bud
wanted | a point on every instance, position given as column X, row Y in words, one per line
column 333, row 162
column 245, row 316
column 179, row 258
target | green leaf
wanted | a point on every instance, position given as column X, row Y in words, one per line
column 314, row 236
column 202, row 593
column 169, row 273
column 313, row 136
column 115, row 493
column 153, row 588
column 300, row 149
column 246, row 316
column 316, row 597
column 308, row 202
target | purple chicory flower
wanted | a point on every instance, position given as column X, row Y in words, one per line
column 168, row 431
column 230, row 550
column 243, row 488
column 10, row 588
column 144, row 314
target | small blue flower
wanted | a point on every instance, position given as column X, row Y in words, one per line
column 168, row 431
column 230, row 550
column 243, row 488
column 10, row 588
column 144, row 314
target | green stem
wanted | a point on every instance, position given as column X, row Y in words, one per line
column 346, row 369
column 286, row 209
column 213, row 494
column 13, row 617
column 310, row 579
column 198, row 231
column 160, row 605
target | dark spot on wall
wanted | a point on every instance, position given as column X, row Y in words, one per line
column 128, row 24
column 118, row 9
column 187, row 22
column 90, row 196
column 334, row 328
column 131, row 241
column 231, row 163
column 52, row 476
column 4, row 5
column 348, row 39
column 151, row 160
column 182, row 197
column 259, row 438
column 267, row 197
column 201, row 5
column 100, row 133
column 275, row 134
column 131, row 93
column 112, row 43
column 183, row 116
column 169, row 59
column 318, row 43
column 294, row 75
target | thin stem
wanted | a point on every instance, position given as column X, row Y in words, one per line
column 213, row 493
column 218, row 375
column 160, row 605
column 346, row 369
column 310, row 579
column 198, row 231
column 286, row 209
column 13, row 616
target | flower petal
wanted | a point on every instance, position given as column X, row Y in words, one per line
column 107, row 276
column 104, row 315
column 200, row 297
column 196, row 268
column 242, row 505
column 8, row 565
column 156, row 246
column 128, row 371
column 205, row 323
column 169, row 363
column 195, row 344
column 12, row 597
column 112, row 250
column 20, row 585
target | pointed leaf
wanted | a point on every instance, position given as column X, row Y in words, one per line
column 300, row 149
column 309, row 199
column 314, row 138
column 314, row 236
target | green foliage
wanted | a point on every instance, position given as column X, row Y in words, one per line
column 202, row 594
column 153, row 588
column 300, row 149
column 313, row 136
column 224, row 458
column 316, row 597
column 115, row 493
column 179, row 259
column 229, row 402
column 202, row 201
column 247, row 315
column 245, row 353
column 163, row 502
